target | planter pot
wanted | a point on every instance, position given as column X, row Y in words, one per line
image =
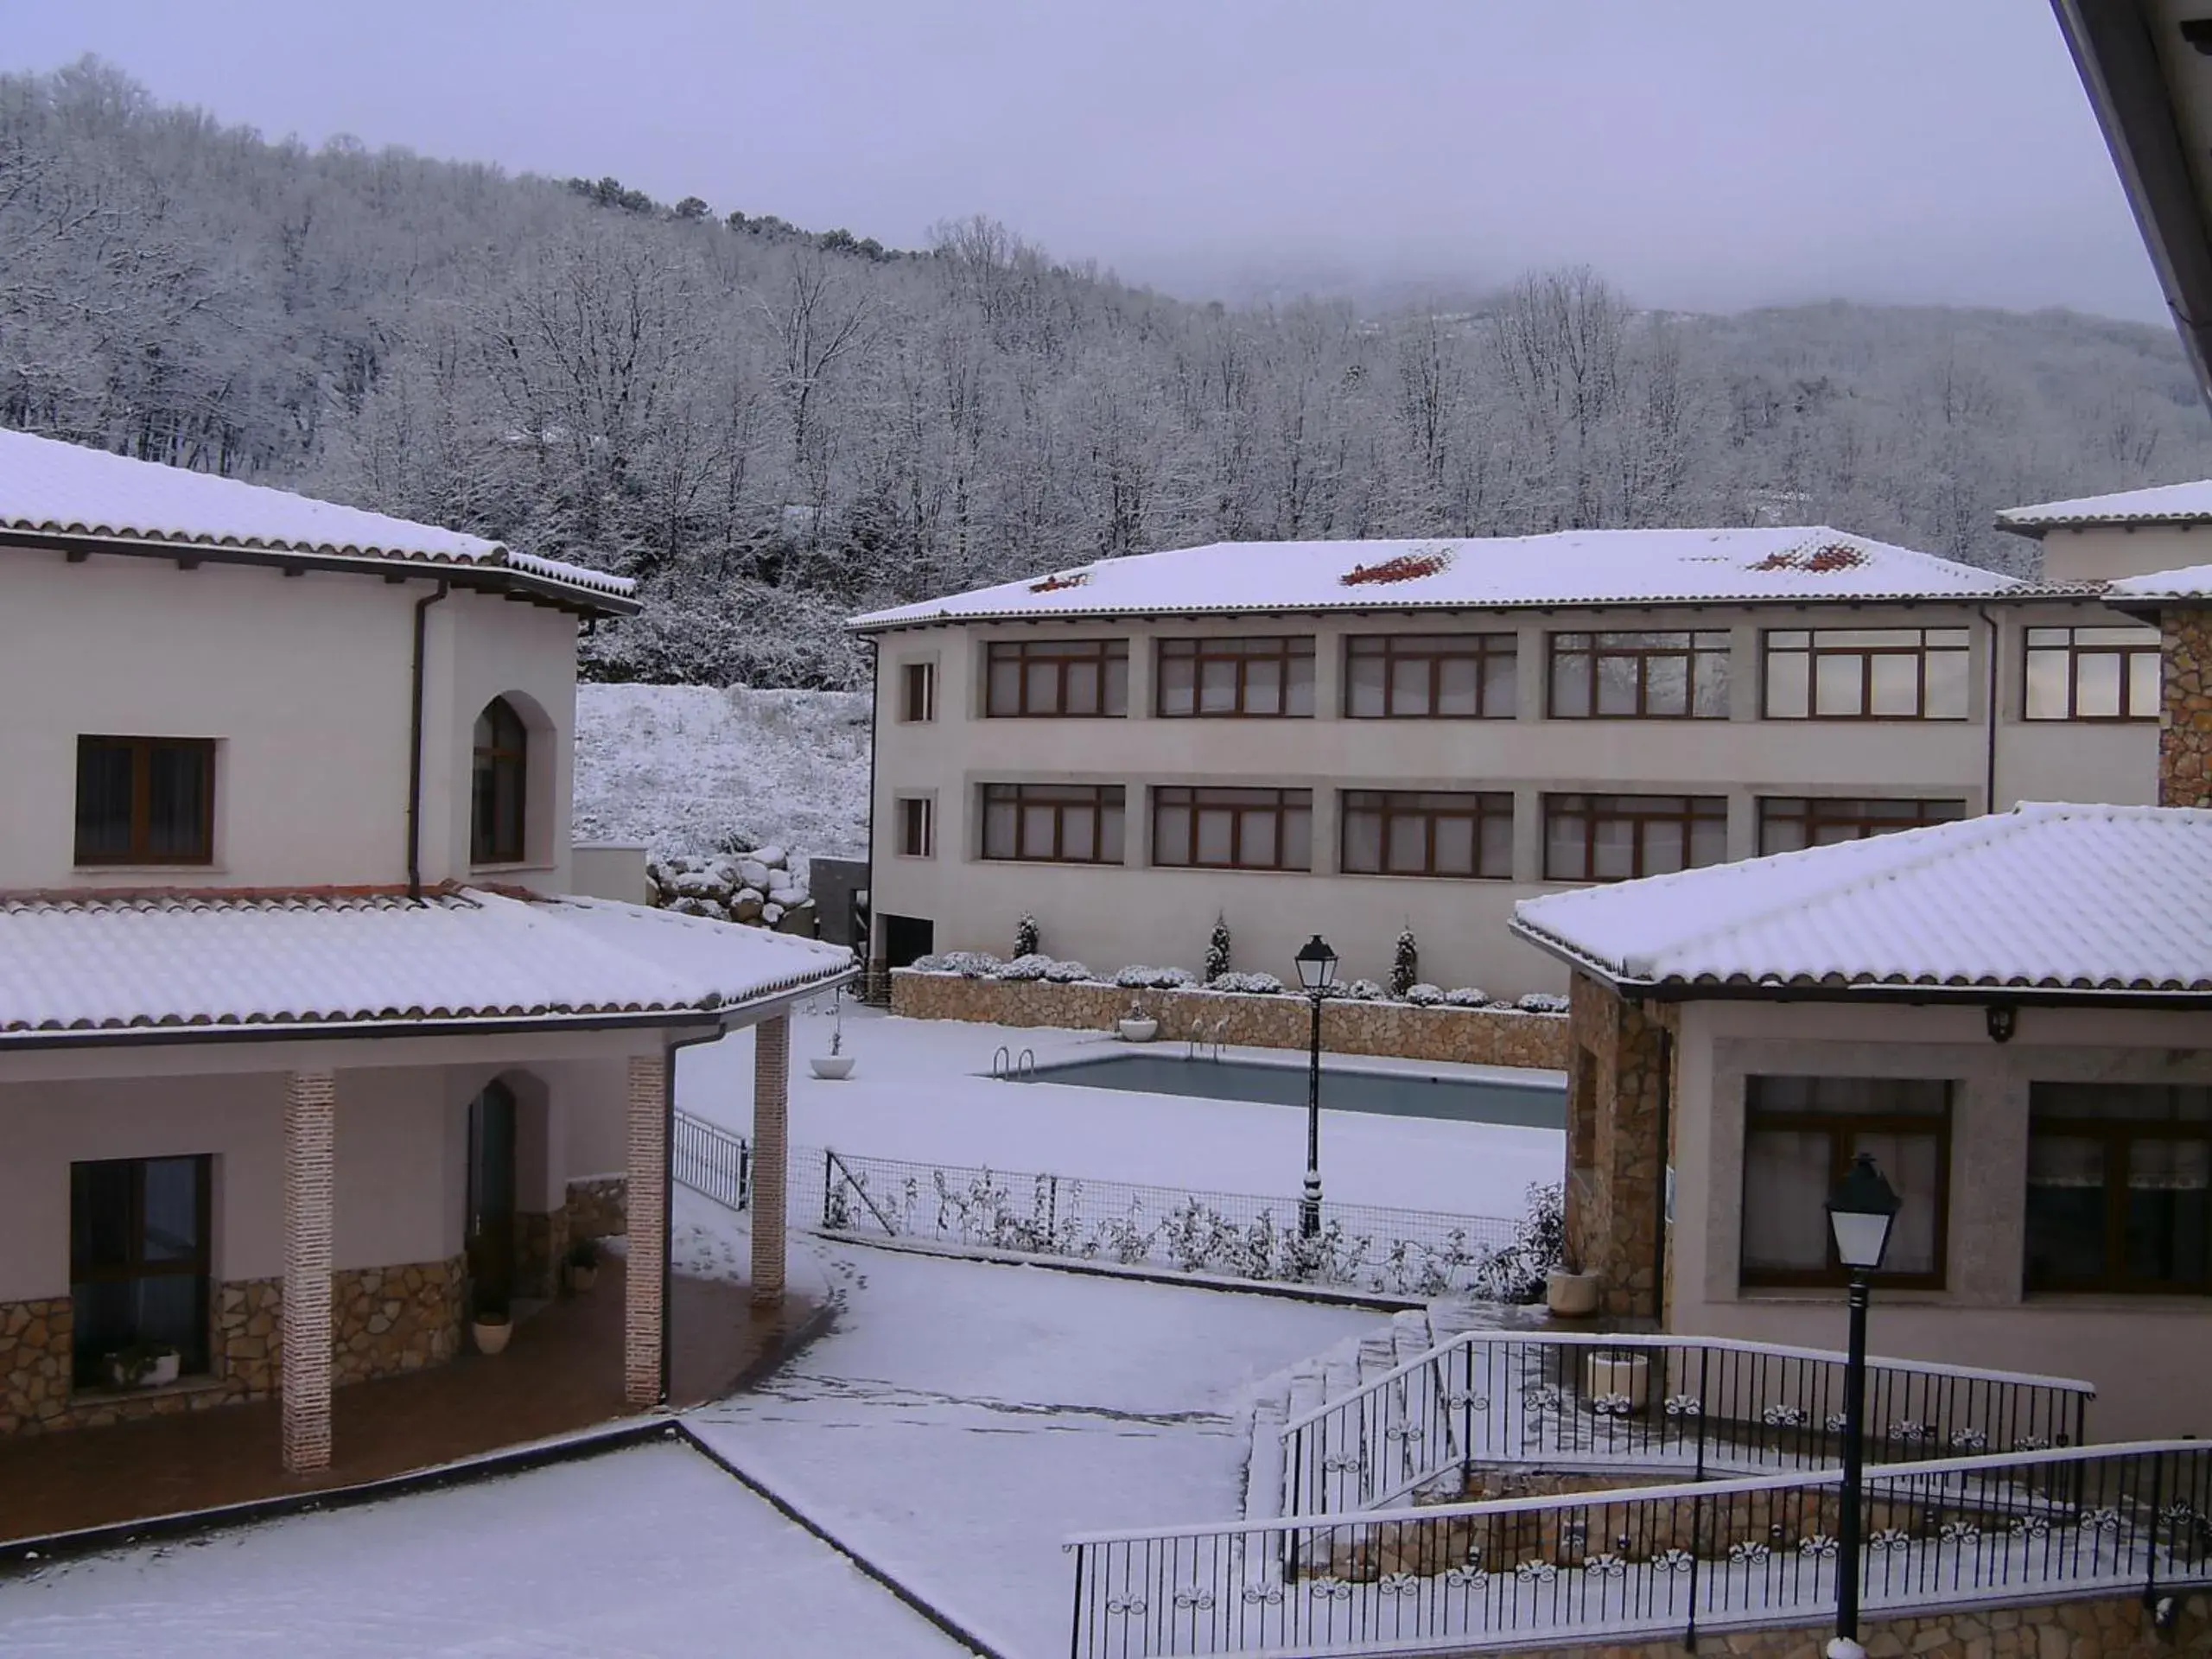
column 491, row 1335
column 1620, row 1377
column 1571, row 1295
column 162, row 1372
column 1137, row 1031
column 833, row 1066
column 582, row 1279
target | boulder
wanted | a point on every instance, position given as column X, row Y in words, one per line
column 753, row 872
column 799, row 920
column 771, row 914
column 772, row 856
column 746, row 907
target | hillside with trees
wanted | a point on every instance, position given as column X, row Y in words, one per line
column 771, row 427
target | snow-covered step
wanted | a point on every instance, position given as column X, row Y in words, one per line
column 1411, row 1336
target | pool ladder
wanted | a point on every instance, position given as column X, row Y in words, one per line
column 1009, row 1067
column 1202, row 1037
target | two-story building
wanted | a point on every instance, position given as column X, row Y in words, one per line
column 307, row 1046
column 1351, row 737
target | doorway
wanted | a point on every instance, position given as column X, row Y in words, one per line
column 490, row 1230
column 906, row 939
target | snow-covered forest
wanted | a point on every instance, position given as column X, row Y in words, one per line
column 772, row 427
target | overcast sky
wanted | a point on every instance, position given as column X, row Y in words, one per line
column 1704, row 154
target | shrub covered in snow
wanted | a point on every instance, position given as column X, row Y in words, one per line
column 1467, row 996
column 1424, row 996
column 1068, row 973
column 968, row 964
column 1025, row 938
column 1542, row 1003
column 1138, row 977
column 1249, row 984
column 1028, row 966
column 1405, row 965
column 1362, row 990
column 1216, row 963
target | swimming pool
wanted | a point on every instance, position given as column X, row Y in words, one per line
column 1392, row 1094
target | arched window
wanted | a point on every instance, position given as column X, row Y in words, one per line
column 502, row 777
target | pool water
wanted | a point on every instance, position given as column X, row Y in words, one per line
column 1393, row 1094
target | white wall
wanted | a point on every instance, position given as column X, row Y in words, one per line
column 1110, row 917
column 2105, row 552
column 304, row 684
column 2147, row 1354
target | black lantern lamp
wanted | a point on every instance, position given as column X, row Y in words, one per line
column 1861, row 1211
column 1317, row 975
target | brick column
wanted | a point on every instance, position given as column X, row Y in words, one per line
column 310, row 1135
column 643, row 1290
column 1616, row 1177
column 772, row 1066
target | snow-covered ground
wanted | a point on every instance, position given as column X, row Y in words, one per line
column 647, row 1553
column 965, row 1417
column 921, row 1090
column 680, row 767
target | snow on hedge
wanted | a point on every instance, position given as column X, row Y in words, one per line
column 683, row 769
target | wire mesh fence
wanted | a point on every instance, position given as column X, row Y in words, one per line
column 1239, row 1236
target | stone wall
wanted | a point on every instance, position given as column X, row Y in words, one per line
column 2185, row 712
column 598, row 1207
column 2111, row 1628
column 1463, row 1036
column 385, row 1320
column 541, row 1246
column 1616, row 1177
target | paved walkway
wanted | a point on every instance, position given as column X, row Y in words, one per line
column 562, row 1372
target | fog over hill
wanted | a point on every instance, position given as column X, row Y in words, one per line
column 771, row 427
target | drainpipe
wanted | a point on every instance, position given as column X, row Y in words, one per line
column 875, row 743
column 1989, row 718
column 1666, row 1163
column 415, row 743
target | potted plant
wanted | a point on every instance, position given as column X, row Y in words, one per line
column 490, row 1325
column 1570, row 1292
column 144, row 1365
column 836, row 1064
column 1620, row 1380
column 583, row 1265
column 1136, row 1026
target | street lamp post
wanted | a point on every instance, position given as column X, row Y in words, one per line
column 1317, row 973
column 1860, row 1211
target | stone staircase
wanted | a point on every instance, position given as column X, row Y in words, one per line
column 1345, row 1369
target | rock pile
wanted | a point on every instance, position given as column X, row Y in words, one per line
column 758, row 889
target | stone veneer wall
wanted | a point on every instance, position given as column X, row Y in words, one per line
column 2185, row 710
column 2111, row 1628
column 540, row 1248
column 1467, row 1036
column 385, row 1320
column 598, row 1207
column 1616, row 1173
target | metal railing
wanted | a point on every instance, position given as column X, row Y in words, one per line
column 1410, row 1252
column 1651, row 1562
column 1697, row 1404
column 708, row 1159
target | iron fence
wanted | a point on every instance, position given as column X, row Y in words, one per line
column 708, row 1159
column 1578, row 1400
column 1653, row 1562
column 1408, row 1252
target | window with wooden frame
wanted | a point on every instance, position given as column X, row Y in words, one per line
column 1790, row 823
column 1057, row 823
column 1406, row 832
column 145, row 800
column 1065, row 678
column 1431, row 676
column 1617, row 837
column 917, row 819
column 1672, row 676
column 2090, row 674
column 918, row 693
column 1233, row 828
column 138, row 1262
column 1801, row 1134
column 2119, row 1188
column 1866, row 674
column 1269, row 676
column 499, row 812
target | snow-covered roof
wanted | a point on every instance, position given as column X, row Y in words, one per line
column 2191, row 581
column 81, row 963
column 1571, row 567
column 51, row 488
column 2164, row 503
column 2095, row 899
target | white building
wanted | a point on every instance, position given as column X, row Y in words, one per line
column 297, row 1019
column 1355, row 737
